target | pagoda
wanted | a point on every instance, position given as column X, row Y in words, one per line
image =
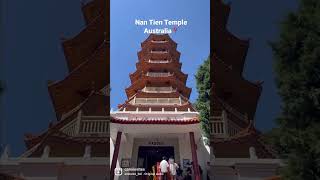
column 76, row 145
column 237, row 149
column 157, row 115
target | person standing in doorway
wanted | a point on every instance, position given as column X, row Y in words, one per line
column 164, row 165
column 173, row 168
column 188, row 172
column 179, row 175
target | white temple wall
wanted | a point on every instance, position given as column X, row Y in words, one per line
column 185, row 148
column 125, row 152
column 126, row 147
column 203, row 154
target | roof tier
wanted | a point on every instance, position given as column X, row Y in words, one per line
column 164, row 38
column 76, row 146
column 230, row 49
column 92, row 9
column 237, row 92
column 153, row 63
column 234, row 99
column 144, row 68
column 91, row 75
column 228, row 55
column 153, row 81
column 224, row 44
column 242, row 142
column 145, row 121
column 220, row 13
column 145, row 94
column 96, row 105
column 76, row 51
column 81, row 99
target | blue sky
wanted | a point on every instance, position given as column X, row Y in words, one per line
column 193, row 39
column 260, row 21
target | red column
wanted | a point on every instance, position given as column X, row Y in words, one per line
column 194, row 157
column 115, row 154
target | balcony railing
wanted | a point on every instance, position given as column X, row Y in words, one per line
column 217, row 128
column 71, row 129
column 158, row 89
column 232, row 110
column 86, row 125
column 159, row 41
column 94, row 126
column 157, row 101
column 159, row 74
column 159, row 51
column 158, row 61
column 222, row 126
column 218, row 125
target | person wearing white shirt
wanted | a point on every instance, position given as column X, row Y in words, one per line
column 173, row 168
column 164, row 168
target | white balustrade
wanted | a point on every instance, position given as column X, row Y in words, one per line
column 159, row 51
column 94, row 126
column 157, row 101
column 218, row 124
column 158, row 61
column 84, row 125
column 71, row 128
column 222, row 126
column 159, row 41
column 158, row 74
column 158, row 89
column 217, row 127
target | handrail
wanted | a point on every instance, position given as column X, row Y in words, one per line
column 157, row 101
column 87, row 125
column 158, row 61
column 159, row 51
column 232, row 110
column 159, row 74
column 159, row 89
column 159, row 41
column 217, row 127
column 94, row 126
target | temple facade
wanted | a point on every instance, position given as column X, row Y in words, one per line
column 157, row 119
column 76, row 144
column 237, row 150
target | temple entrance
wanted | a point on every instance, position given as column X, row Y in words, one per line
column 148, row 156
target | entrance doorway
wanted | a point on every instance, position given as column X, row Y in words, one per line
column 148, row 156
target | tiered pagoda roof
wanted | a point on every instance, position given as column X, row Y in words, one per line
column 158, row 83
column 81, row 99
column 249, row 137
column 234, row 99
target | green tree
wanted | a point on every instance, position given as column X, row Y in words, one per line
column 203, row 101
column 297, row 67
